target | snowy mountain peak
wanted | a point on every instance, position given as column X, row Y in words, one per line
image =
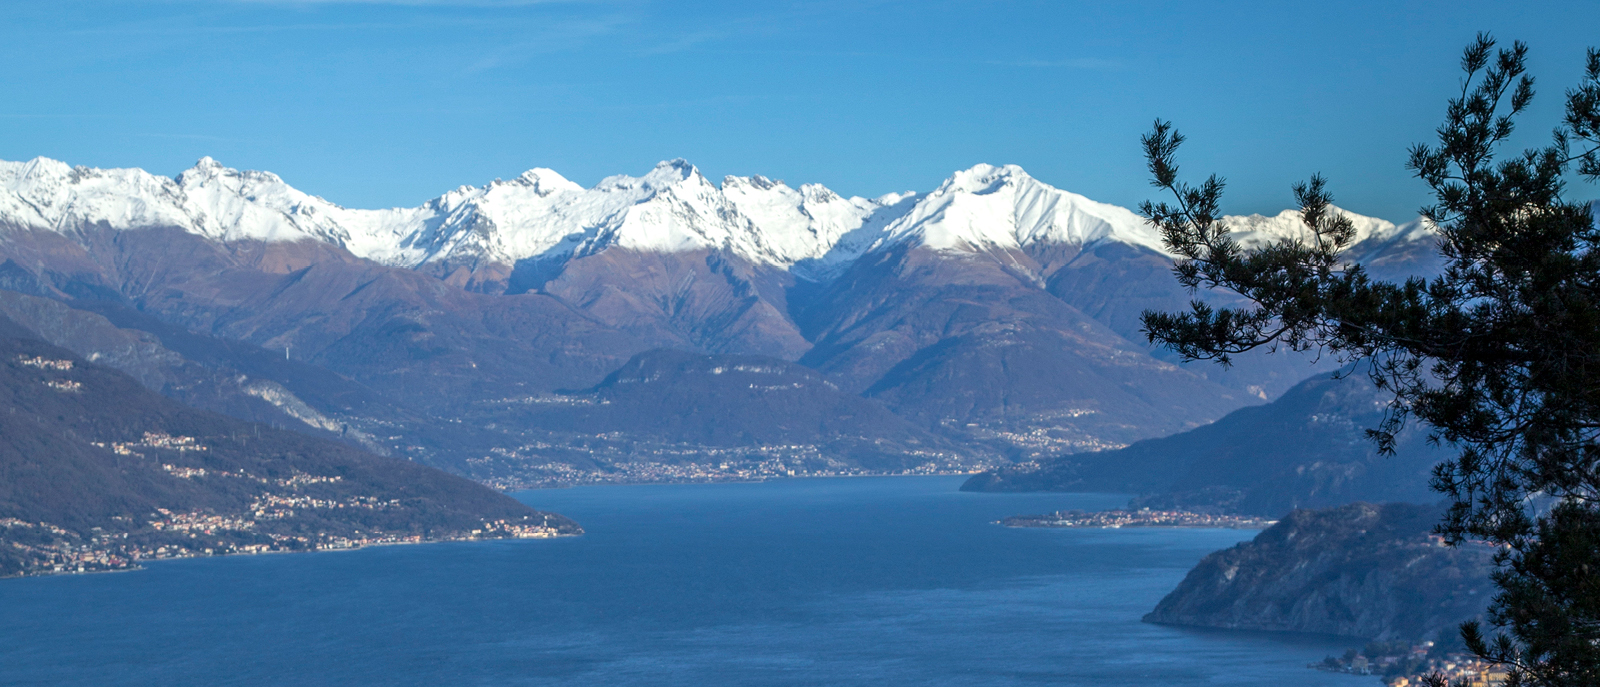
column 52, row 195
column 678, row 163
column 665, row 175
column 1256, row 231
column 1003, row 207
column 544, row 216
column 229, row 204
column 757, row 181
column 672, row 172
column 546, row 181
column 983, row 178
column 812, row 230
column 817, row 193
column 35, row 168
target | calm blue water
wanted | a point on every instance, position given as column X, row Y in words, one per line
column 882, row 582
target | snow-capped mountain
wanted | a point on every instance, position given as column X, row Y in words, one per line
column 541, row 215
column 1255, row 231
column 208, row 200
column 988, row 207
column 673, row 208
column 813, row 229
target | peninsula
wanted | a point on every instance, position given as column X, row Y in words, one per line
column 1143, row 517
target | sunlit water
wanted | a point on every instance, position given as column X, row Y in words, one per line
column 881, row 582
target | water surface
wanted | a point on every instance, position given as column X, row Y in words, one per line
column 865, row 581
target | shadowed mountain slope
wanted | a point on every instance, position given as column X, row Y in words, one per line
column 970, row 344
column 1360, row 570
column 208, row 373
column 1308, row 449
column 397, row 331
column 1114, row 283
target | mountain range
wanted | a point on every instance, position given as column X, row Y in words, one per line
column 991, row 319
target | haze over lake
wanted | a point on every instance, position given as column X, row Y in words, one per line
column 869, row 581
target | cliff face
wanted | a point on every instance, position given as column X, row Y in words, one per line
column 1361, row 570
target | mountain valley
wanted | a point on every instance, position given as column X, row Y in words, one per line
column 993, row 319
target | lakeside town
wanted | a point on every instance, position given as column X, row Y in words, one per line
column 738, row 466
column 1143, row 517
column 1400, row 664
column 46, row 549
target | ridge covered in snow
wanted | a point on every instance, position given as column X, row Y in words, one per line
column 541, row 215
column 1003, row 207
column 1256, row 231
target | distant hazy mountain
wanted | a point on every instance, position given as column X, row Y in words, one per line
column 1307, row 449
column 1360, row 570
column 761, row 415
column 97, row 471
column 996, row 311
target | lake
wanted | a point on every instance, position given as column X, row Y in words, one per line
column 856, row 581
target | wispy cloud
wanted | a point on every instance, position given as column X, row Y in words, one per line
column 549, row 38
column 688, row 41
column 1073, row 63
column 197, row 137
column 426, row 3
column 53, row 115
column 205, row 29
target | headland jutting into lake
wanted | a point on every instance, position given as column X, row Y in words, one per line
column 1137, row 518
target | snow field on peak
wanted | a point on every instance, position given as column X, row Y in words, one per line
column 208, row 199
column 1256, row 231
column 1003, row 207
column 231, row 205
column 812, row 226
column 50, row 194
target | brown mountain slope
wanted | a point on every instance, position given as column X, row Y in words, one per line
column 1114, row 283
column 972, row 343
column 708, row 300
column 96, row 472
column 403, row 333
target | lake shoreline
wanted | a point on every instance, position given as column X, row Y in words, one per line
column 135, row 565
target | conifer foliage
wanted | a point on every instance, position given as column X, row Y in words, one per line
column 1499, row 355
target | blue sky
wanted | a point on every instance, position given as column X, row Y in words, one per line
column 380, row 103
